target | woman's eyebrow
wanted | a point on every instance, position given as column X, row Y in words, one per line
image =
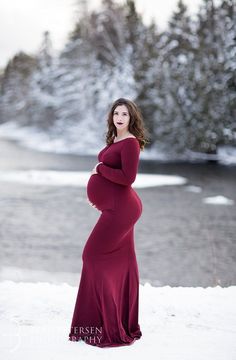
column 124, row 112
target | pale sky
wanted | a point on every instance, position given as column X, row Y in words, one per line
column 22, row 22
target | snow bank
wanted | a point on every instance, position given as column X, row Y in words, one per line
column 34, row 138
column 178, row 323
column 218, row 200
column 80, row 178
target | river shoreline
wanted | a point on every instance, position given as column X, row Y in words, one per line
column 180, row 240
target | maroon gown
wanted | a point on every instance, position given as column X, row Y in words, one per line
column 107, row 304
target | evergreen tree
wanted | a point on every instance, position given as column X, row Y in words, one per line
column 213, row 105
column 141, row 40
column 42, row 100
column 15, row 88
column 174, row 89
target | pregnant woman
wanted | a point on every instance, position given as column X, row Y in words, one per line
column 106, row 308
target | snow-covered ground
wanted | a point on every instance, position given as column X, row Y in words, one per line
column 31, row 137
column 177, row 323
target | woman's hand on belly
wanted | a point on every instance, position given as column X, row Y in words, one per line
column 94, row 171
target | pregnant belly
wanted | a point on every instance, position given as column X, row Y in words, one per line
column 100, row 192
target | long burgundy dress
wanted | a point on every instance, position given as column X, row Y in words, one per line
column 106, row 308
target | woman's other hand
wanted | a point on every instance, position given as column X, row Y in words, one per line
column 90, row 203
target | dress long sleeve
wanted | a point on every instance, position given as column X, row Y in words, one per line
column 129, row 164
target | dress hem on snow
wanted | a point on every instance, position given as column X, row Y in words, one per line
column 76, row 338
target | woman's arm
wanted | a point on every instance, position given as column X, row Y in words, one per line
column 129, row 165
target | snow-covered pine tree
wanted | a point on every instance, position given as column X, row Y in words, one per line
column 75, row 84
column 228, row 15
column 174, row 96
column 95, row 68
column 213, row 62
column 42, row 99
column 113, row 53
column 15, row 88
column 140, row 40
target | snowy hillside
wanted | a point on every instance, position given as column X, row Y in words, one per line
column 182, row 78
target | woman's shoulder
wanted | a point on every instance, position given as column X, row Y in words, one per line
column 131, row 144
column 128, row 137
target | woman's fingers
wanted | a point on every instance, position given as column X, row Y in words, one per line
column 90, row 203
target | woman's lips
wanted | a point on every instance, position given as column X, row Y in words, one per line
column 119, row 123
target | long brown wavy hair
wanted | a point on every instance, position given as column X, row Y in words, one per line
column 136, row 123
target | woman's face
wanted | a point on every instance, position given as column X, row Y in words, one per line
column 121, row 117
